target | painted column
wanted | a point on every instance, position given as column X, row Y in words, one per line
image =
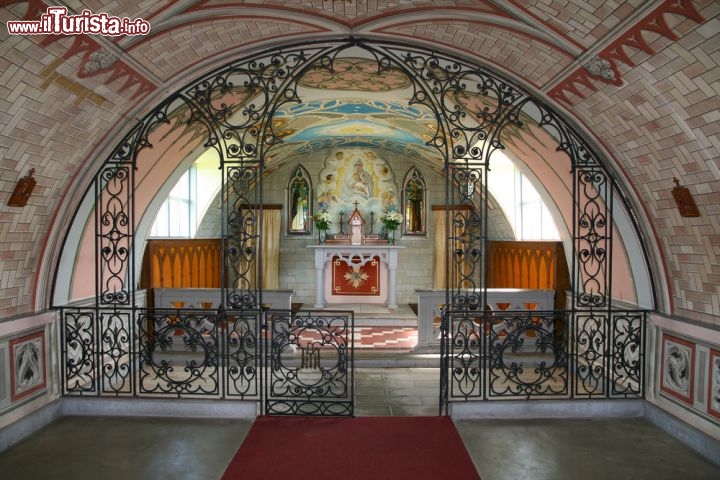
column 319, row 278
column 392, row 278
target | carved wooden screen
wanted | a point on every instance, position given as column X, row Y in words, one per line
column 182, row 263
column 534, row 265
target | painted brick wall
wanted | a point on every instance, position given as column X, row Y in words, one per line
column 48, row 122
column 662, row 123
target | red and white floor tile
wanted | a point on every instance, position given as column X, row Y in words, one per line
column 379, row 337
column 402, row 338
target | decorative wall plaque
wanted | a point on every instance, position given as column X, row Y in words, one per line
column 678, row 368
column 684, row 200
column 23, row 189
column 27, row 362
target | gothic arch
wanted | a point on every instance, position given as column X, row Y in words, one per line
column 477, row 113
column 230, row 110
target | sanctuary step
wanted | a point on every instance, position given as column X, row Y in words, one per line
column 385, row 337
column 388, row 338
column 369, row 315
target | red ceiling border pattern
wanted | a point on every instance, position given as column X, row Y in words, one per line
column 85, row 45
column 615, row 53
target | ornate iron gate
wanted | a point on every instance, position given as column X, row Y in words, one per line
column 310, row 369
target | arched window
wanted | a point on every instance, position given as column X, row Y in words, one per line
column 298, row 203
column 414, row 203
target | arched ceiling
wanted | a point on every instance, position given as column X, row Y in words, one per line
column 356, row 104
column 639, row 77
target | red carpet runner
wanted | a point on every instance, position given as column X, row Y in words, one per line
column 361, row 448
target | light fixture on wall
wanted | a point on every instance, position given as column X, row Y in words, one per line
column 684, row 200
column 22, row 191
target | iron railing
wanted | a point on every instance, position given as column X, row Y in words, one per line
column 303, row 362
column 543, row 354
column 300, row 363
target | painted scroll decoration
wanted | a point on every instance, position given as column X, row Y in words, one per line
column 27, row 360
column 678, row 364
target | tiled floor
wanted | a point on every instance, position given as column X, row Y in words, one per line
column 112, row 448
column 403, row 338
column 380, row 337
column 376, row 327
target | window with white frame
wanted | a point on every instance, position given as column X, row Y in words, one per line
column 177, row 216
column 523, row 206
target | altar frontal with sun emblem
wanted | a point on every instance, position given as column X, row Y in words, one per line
column 356, row 278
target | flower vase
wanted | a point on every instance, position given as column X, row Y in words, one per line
column 391, row 237
column 322, row 235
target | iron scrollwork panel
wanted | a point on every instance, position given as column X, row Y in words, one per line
column 466, row 349
column 528, row 354
column 79, row 351
column 242, row 238
column 591, row 343
column 242, row 354
column 469, row 102
column 467, row 260
column 593, row 238
column 609, row 354
column 114, row 234
column 627, row 354
column 467, row 238
column 179, row 352
column 311, row 364
column 117, row 349
column 508, row 355
column 241, row 97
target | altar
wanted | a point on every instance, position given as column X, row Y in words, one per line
column 356, row 257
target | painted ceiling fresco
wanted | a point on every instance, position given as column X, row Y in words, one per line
column 354, row 104
column 355, row 122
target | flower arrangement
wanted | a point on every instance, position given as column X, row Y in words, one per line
column 391, row 219
column 322, row 220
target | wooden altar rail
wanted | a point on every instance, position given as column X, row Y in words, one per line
column 529, row 265
column 181, row 263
